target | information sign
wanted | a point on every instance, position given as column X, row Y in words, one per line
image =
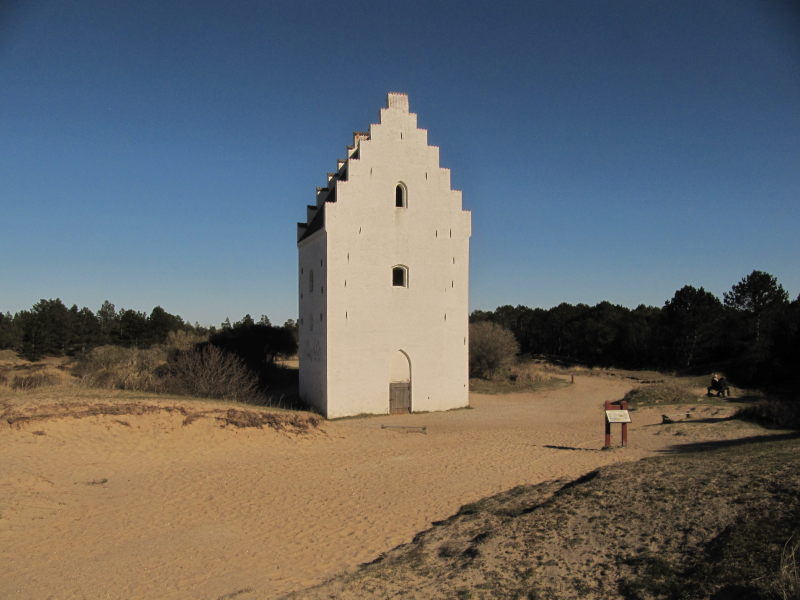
column 618, row 416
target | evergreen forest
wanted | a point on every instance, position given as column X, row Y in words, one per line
column 49, row 328
column 752, row 333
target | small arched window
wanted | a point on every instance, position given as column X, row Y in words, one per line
column 400, row 276
column 400, row 196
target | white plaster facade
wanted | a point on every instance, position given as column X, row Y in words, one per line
column 359, row 330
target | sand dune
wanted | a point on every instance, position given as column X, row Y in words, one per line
column 147, row 506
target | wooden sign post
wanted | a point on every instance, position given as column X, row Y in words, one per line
column 617, row 412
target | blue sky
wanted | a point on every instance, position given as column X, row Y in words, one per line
column 160, row 153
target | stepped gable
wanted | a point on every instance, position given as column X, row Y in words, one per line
column 315, row 220
column 315, row 217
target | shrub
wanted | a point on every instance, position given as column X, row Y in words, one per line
column 775, row 413
column 491, row 348
column 182, row 340
column 9, row 356
column 33, row 381
column 205, row 371
column 659, row 393
column 209, row 372
column 122, row 368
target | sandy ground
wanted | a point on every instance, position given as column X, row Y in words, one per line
column 147, row 507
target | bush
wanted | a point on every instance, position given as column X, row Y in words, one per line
column 204, row 371
column 182, row 340
column 772, row 413
column 659, row 393
column 33, row 381
column 491, row 348
column 122, row 368
column 209, row 372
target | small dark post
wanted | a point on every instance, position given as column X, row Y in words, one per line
column 623, row 404
column 607, row 444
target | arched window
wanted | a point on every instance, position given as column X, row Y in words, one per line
column 400, row 276
column 400, row 196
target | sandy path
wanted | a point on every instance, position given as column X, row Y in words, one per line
column 95, row 508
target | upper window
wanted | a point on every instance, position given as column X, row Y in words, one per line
column 400, row 276
column 400, row 196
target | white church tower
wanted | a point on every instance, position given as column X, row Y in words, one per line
column 384, row 267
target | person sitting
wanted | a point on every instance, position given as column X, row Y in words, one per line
column 718, row 385
column 724, row 390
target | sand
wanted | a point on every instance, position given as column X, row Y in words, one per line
column 145, row 506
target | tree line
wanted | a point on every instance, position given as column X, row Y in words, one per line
column 753, row 333
column 49, row 328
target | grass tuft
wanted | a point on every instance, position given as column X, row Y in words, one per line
column 659, row 394
column 33, row 381
column 787, row 581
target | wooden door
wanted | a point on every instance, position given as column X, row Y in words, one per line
column 400, row 397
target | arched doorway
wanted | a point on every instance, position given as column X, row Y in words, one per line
column 400, row 383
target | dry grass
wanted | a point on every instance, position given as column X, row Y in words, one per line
column 115, row 367
column 176, row 368
column 787, row 581
column 36, row 380
column 122, row 368
column 9, row 357
column 658, row 394
column 536, row 373
column 523, row 376
column 182, row 340
column 20, row 375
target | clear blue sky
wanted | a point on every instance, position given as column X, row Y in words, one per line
column 160, row 152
